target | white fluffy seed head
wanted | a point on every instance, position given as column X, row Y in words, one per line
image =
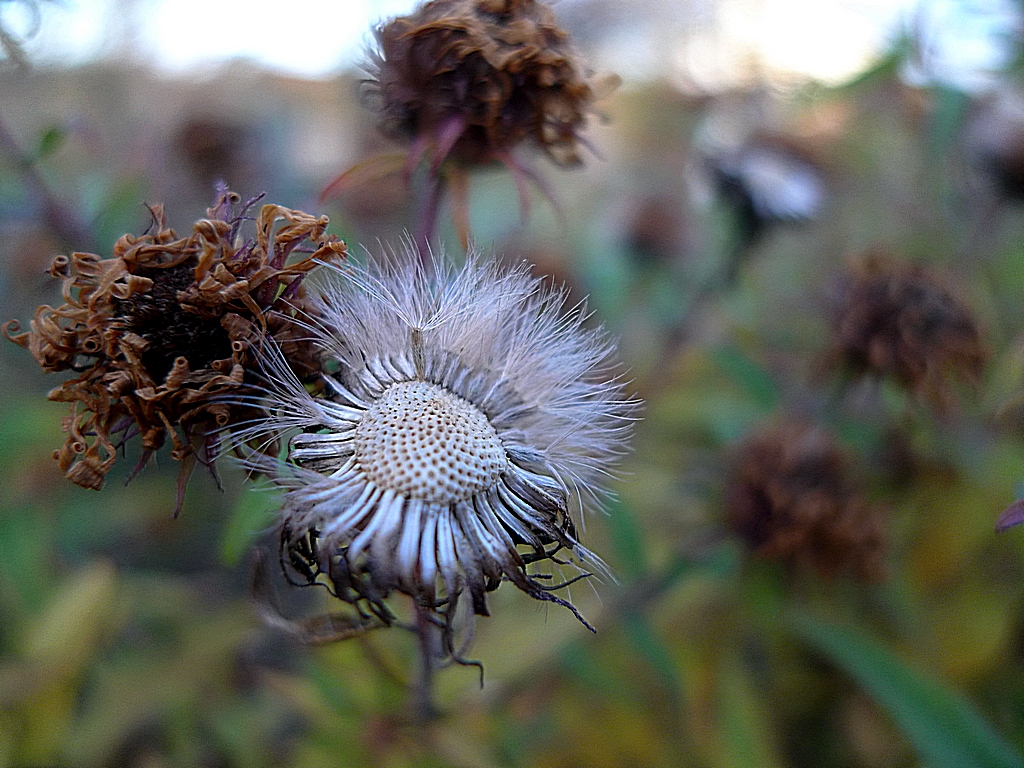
column 423, row 442
column 469, row 413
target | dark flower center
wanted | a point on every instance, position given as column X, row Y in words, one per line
column 172, row 332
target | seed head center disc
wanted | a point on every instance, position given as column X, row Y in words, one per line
column 424, row 442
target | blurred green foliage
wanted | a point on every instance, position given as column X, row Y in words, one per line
column 128, row 638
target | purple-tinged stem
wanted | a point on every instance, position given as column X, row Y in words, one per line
column 426, row 225
column 447, row 135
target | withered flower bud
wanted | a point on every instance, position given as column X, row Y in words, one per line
column 902, row 321
column 475, row 78
column 161, row 332
column 790, row 498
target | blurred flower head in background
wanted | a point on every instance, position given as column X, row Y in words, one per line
column 164, row 329
column 790, row 498
column 477, row 78
column 994, row 138
column 771, row 180
column 901, row 321
column 470, row 413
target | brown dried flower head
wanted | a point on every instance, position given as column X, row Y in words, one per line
column 902, row 321
column 790, row 498
column 160, row 332
column 475, row 78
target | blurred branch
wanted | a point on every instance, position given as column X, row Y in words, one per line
column 9, row 43
column 57, row 215
column 12, row 48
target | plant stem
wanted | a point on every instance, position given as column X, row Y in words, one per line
column 59, row 217
column 428, row 636
column 429, row 203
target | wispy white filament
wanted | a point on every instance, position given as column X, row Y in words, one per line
column 492, row 346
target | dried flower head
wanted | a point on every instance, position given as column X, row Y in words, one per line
column 471, row 418
column 164, row 329
column 901, row 321
column 790, row 499
column 475, row 78
column 994, row 139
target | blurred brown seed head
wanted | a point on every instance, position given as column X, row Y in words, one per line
column 160, row 331
column 215, row 148
column 994, row 139
column 901, row 321
column 655, row 228
column 790, row 498
column 479, row 77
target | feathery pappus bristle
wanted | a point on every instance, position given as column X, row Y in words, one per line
column 471, row 417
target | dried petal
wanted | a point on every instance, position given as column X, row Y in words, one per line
column 163, row 330
column 479, row 77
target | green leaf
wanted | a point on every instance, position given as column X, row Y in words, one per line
column 254, row 513
column 645, row 642
column 27, row 424
column 744, row 726
column 118, row 207
column 944, row 728
column 754, row 380
column 25, row 569
column 580, row 662
column 52, row 139
column 630, row 552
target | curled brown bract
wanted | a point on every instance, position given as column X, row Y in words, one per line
column 162, row 332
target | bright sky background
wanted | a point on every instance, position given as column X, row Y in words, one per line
column 826, row 39
column 305, row 37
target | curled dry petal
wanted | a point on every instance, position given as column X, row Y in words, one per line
column 161, row 331
column 475, row 78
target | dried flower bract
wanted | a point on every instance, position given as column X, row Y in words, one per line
column 164, row 329
column 901, row 321
column 790, row 499
column 475, row 78
column 472, row 417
